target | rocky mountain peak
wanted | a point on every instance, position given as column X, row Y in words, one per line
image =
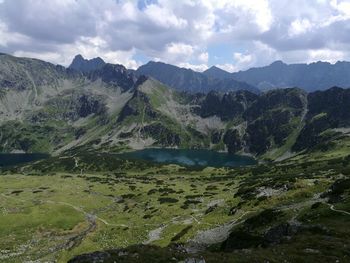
column 215, row 72
column 86, row 65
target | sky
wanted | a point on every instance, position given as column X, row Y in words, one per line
column 231, row 34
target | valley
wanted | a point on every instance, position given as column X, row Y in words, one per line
column 137, row 170
column 54, row 210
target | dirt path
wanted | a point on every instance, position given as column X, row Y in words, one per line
column 338, row 210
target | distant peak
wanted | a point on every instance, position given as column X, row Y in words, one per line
column 213, row 68
column 217, row 73
column 79, row 56
column 277, row 63
column 152, row 62
column 86, row 65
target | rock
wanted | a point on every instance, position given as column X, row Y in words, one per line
column 95, row 257
column 194, row 260
column 210, row 209
column 276, row 234
column 311, row 251
column 233, row 211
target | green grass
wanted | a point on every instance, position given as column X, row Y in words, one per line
column 46, row 209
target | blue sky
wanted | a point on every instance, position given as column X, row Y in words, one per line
column 231, row 34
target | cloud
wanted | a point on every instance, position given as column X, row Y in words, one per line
column 203, row 57
column 227, row 67
column 178, row 32
column 8, row 38
column 262, row 55
column 179, row 49
column 56, row 21
column 242, row 58
column 195, row 67
column 164, row 17
column 299, row 26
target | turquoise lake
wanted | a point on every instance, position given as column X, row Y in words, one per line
column 190, row 157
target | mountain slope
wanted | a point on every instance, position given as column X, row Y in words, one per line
column 44, row 107
column 188, row 80
column 25, row 84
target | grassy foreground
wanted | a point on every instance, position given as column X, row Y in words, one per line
column 298, row 212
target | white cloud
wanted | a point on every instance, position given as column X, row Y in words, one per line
column 8, row 38
column 331, row 56
column 46, row 56
column 195, row 67
column 178, row 32
column 228, row 67
column 343, row 7
column 179, row 49
column 203, row 57
column 242, row 58
column 164, row 17
column 235, row 14
column 299, row 26
column 88, row 48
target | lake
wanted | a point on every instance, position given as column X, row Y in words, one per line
column 190, row 157
column 9, row 159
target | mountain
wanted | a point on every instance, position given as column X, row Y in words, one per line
column 48, row 108
column 217, row 73
column 86, row 65
column 188, row 80
column 310, row 77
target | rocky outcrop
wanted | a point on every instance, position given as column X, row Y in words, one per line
column 162, row 135
column 116, row 75
column 233, row 141
column 227, row 106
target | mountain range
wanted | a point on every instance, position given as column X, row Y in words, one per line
column 310, row 77
column 49, row 108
